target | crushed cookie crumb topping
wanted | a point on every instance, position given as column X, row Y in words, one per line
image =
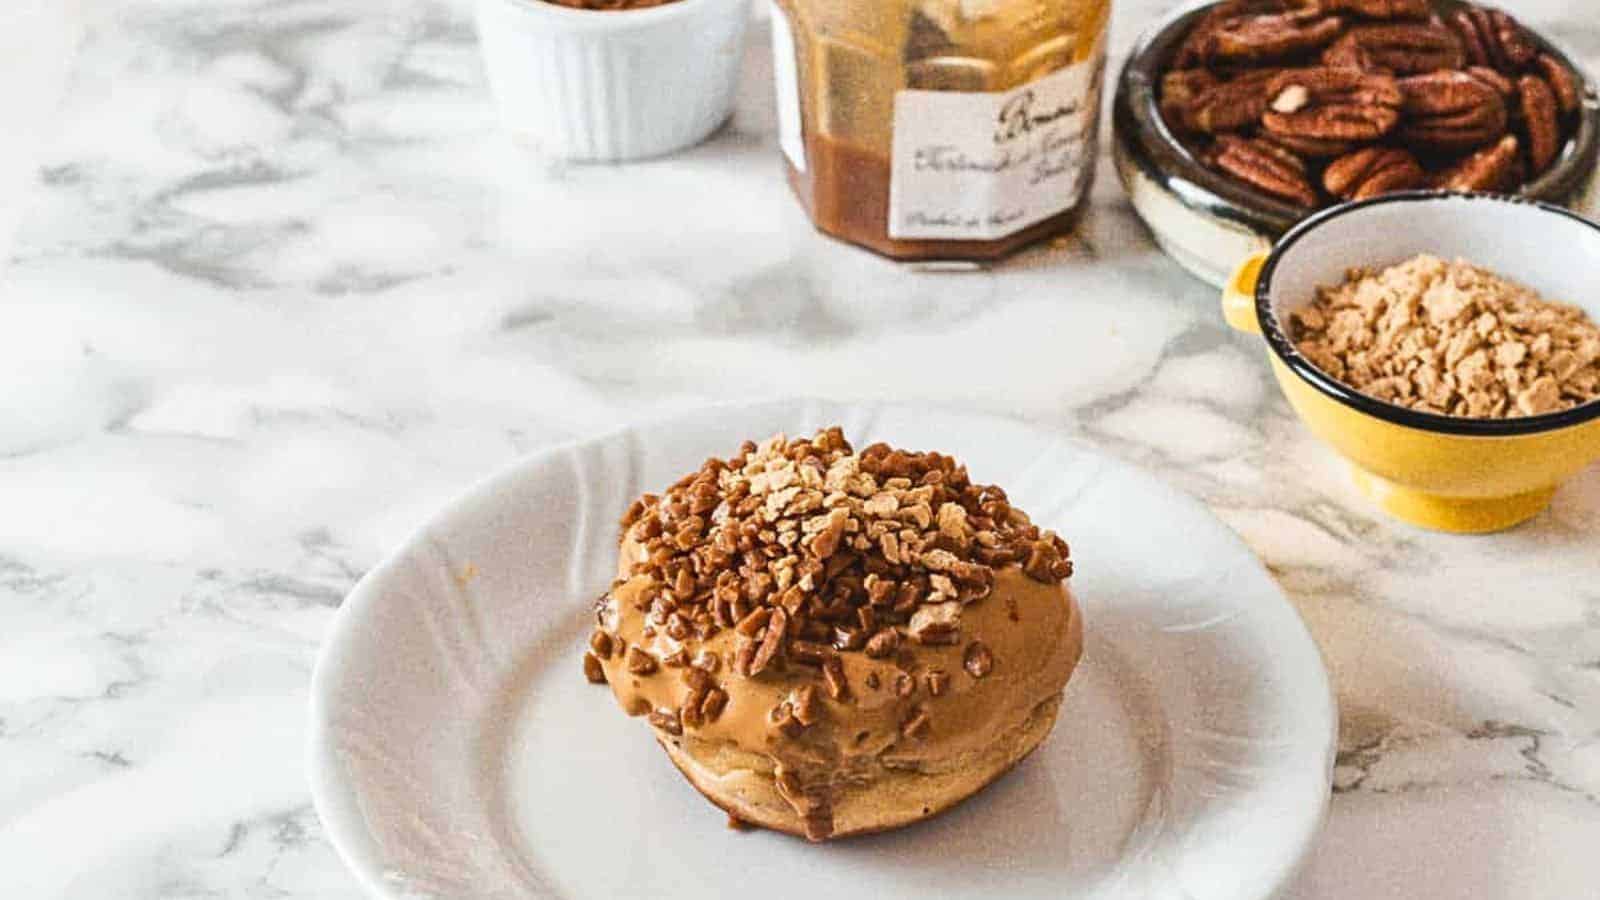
column 1452, row 339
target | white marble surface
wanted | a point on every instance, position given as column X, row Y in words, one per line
column 279, row 289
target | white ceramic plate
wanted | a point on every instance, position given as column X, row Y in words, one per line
column 457, row 752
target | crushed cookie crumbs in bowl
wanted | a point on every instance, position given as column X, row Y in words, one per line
column 1438, row 436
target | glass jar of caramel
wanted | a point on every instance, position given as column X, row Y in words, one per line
column 940, row 129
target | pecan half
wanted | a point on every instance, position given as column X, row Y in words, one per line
column 1502, row 85
column 1331, row 107
column 1372, row 171
column 1563, row 81
column 1259, row 38
column 1370, row 9
column 1397, row 48
column 1493, row 38
column 1541, row 121
column 1491, row 169
column 1225, row 106
column 1194, row 51
column 1265, row 166
column 1451, row 111
column 1313, row 148
column 1180, row 90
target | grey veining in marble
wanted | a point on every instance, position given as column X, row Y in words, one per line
column 280, row 288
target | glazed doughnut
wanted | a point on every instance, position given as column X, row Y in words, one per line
column 829, row 643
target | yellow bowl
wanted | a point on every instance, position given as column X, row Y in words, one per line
column 1441, row 472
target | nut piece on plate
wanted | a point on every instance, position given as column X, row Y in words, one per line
column 1451, row 112
column 1451, row 339
column 1324, row 111
column 1263, row 165
column 1372, row 171
column 802, row 610
column 1406, row 48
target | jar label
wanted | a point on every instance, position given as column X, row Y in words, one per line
column 981, row 166
column 786, row 78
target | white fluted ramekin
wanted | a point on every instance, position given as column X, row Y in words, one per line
column 611, row 85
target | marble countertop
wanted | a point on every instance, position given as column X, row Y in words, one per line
column 277, row 288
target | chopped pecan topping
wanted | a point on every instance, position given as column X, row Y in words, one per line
column 1451, row 111
column 809, row 653
column 883, row 644
column 1541, row 122
column 690, row 709
column 904, row 685
column 751, row 625
column 1372, row 171
column 640, row 662
column 1047, row 557
column 917, row 724
column 600, row 643
column 1397, row 49
column 592, row 669
column 833, row 679
column 712, row 706
column 978, row 661
column 806, row 549
column 939, row 623
column 783, row 720
column 667, row 720
column 804, row 702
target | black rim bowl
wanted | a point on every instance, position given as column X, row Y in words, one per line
column 1278, row 339
column 1156, row 150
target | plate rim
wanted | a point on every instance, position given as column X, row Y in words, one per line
column 336, row 801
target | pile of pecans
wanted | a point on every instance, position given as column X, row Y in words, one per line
column 806, row 550
column 1315, row 101
column 1452, row 339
